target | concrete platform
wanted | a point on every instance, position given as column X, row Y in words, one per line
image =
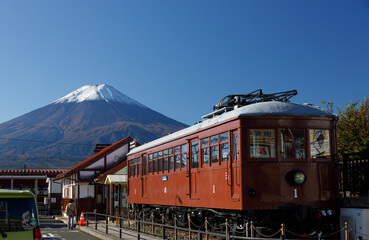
column 113, row 231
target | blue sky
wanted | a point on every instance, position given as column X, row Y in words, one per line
column 180, row 57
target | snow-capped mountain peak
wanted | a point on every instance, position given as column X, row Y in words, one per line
column 100, row 92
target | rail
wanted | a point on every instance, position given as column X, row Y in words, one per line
column 133, row 226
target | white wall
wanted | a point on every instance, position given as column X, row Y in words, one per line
column 86, row 191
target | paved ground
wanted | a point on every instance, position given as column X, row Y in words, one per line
column 52, row 229
column 100, row 233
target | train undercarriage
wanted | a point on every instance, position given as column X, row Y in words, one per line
column 299, row 221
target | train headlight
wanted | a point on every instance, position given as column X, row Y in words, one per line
column 296, row 178
column 299, row 178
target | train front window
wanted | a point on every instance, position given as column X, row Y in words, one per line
column 293, row 143
column 262, row 143
column 319, row 143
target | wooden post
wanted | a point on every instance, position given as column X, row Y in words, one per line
column 143, row 221
column 346, row 231
column 152, row 223
column 189, row 226
column 175, row 227
column 163, row 226
column 95, row 219
column 252, row 229
column 120, row 227
column 86, row 219
column 136, row 221
column 138, row 224
column 227, row 229
column 206, row 229
column 106, row 225
column 283, row 231
column 128, row 220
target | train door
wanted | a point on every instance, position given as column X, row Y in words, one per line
column 194, row 169
column 144, row 176
column 235, row 166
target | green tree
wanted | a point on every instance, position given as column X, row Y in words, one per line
column 353, row 127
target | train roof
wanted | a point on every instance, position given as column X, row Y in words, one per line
column 271, row 108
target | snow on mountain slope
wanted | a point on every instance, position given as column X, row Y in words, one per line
column 101, row 92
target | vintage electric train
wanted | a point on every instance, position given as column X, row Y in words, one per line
column 257, row 157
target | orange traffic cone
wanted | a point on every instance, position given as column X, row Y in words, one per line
column 82, row 220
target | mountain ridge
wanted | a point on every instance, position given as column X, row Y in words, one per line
column 47, row 131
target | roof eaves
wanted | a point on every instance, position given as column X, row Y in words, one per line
column 87, row 162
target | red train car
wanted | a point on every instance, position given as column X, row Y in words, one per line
column 257, row 157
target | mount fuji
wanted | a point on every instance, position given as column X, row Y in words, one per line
column 63, row 133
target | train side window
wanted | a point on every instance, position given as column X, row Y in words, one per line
column 165, row 155
column 155, row 163
column 150, row 163
column 224, row 146
column 132, row 170
column 135, row 167
column 138, row 166
column 225, row 151
column 293, row 143
column 214, row 139
column 205, row 150
column 144, row 165
column 214, row 149
column 177, row 151
column 224, row 137
column 319, row 143
column 171, row 159
column 262, row 143
column 235, row 146
column 160, row 160
column 184, row 155
column 195, row 154
column 215, row 154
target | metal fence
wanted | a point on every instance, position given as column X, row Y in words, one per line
column 173, row 229
column 354, row 175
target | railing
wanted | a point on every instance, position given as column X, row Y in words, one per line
column 354, row 175
column 173, row 229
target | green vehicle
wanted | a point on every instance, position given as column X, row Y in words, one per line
column 18, row 216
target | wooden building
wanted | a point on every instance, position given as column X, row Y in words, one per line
column 115, row 181
column 79, row 183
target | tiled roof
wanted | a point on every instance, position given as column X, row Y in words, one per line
column 27, row 172
column 82, row 165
